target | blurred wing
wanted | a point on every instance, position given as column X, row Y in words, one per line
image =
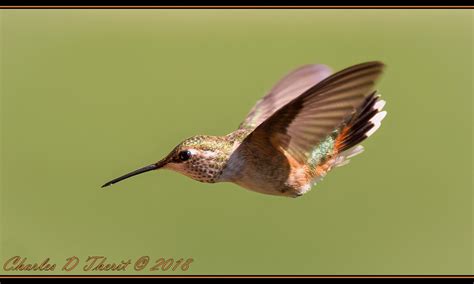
column 301, row 124
column 288, row 88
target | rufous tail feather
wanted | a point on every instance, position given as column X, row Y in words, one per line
column 360, row 126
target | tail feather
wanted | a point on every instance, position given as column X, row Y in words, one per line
column 362, row 124
column 342, row 159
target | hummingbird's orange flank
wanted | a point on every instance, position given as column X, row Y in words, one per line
column 309, row 123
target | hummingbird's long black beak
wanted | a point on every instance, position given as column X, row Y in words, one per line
column 136, row 172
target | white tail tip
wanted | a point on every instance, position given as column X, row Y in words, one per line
column 376, row 120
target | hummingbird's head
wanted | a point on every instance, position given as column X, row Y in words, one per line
column 199, row 157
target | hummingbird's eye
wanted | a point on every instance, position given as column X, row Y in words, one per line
column 184, row 155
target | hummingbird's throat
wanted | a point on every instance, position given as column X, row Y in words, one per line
column 204, row 166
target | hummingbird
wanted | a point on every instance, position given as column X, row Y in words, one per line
column 309, row 123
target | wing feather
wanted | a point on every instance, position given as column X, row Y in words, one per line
column 289, row 87
column 299, row 125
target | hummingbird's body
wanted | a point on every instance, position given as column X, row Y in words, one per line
column 309, row 123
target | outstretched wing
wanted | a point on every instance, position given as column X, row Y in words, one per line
column 300, row 125
column 288, row 88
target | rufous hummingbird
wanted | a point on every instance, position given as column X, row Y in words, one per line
column 309, row 123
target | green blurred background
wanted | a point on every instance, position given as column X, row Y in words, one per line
column 88, row 95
